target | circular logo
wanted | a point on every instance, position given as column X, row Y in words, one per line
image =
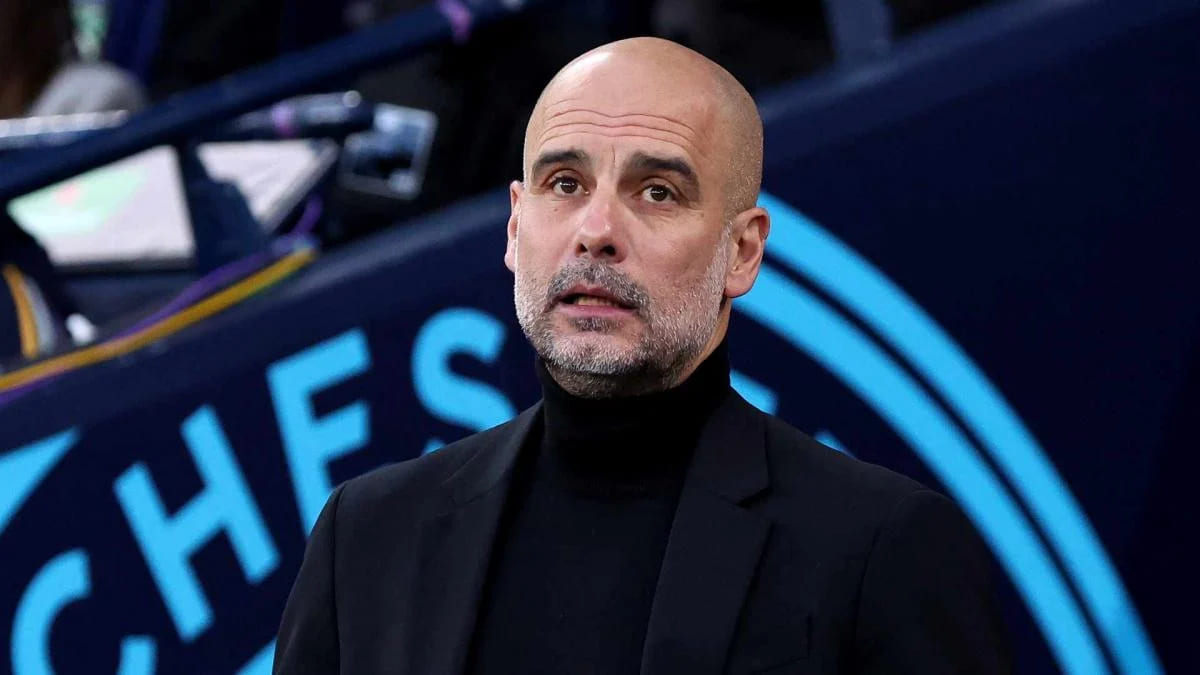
column 950, row 433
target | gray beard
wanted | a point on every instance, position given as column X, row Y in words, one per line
column 673, row 338
column 579, row 377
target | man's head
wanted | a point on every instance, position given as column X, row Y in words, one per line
column 636, row 220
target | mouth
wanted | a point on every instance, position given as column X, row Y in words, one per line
column 585, row 300
column 593, row 300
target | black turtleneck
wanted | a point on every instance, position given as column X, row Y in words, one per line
column 582, row 538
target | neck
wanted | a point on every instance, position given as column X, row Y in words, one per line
column 592, row 386
column 613, row 419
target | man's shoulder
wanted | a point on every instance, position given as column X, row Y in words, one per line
column 415, row 481
column 806, row 469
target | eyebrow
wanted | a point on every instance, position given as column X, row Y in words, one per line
column 642, row 162
column 556, row 157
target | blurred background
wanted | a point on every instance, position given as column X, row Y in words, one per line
column 252, row 248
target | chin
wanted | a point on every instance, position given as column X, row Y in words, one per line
column 593, row 352
column 596, row 333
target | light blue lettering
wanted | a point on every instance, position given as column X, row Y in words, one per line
column 61, row 581
column 444, row 393
column 137, row 655
column 261, row 662
column 168, row 541
column 311, row 443
column 23, row 469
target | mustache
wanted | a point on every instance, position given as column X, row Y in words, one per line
column 624, row 289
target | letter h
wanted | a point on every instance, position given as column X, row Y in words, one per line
column 167, row 541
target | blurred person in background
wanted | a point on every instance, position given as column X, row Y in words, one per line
column 41, row 73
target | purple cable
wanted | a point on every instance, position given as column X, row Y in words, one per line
column 11, row 394
column 223, row 275
column 283, row 116
column 205, row 285
column 459, row 16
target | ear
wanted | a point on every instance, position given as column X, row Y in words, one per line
column 514, row 218
column 749, row 237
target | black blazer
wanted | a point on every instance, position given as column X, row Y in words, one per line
column 784, row 557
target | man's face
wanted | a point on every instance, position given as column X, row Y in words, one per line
column 618, row 240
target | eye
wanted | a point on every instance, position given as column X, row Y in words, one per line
column 657, row 193
column 564, row 185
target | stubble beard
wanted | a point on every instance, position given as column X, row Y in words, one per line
column 671, row 338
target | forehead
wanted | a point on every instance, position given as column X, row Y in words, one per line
column 634, row 109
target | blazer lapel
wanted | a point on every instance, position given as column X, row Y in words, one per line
column 454, row 549
column 713, row 549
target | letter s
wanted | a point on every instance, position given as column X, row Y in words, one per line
column 445, row 394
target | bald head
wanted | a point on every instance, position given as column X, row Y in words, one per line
column 650, row 77
column 636, row 221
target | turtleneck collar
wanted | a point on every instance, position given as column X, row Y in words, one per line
column 628, row 444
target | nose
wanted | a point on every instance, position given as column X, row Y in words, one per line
column 600, row 234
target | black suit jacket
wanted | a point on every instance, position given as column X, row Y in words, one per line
column 784, row 557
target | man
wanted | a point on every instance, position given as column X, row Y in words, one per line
column 642, row 518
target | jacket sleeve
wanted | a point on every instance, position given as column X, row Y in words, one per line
column 308, row 633
column 926, row 604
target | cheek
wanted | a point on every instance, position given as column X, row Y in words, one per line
column 673, row 274
column 669, row 283
column 679, row 264
column 538, row 234
column 531, row 259
column 536, row 258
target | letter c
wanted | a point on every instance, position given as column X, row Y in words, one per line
column 62, row 580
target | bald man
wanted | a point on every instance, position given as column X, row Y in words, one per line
column 642, row 517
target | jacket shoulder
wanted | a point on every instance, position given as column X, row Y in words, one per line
column 803, row 467
column 413, row 482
